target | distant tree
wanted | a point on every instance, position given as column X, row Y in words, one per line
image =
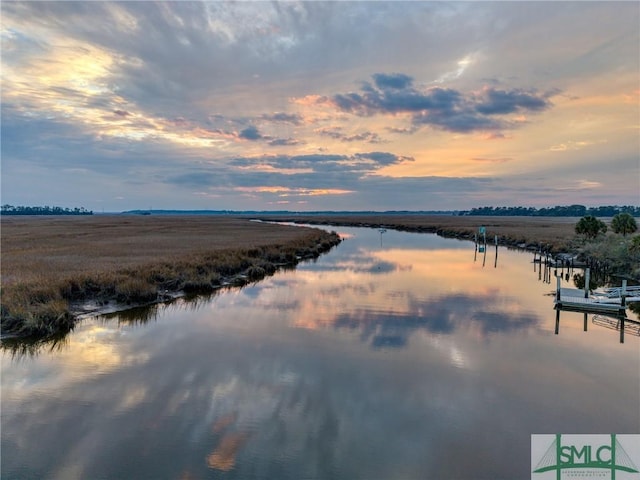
column 46, row 210
column 590, row 226
column 604, row 211
column 557, row 211
column 624, row 223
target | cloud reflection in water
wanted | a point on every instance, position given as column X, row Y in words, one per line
column 420, row 372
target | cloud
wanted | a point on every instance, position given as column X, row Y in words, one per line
column 170, row 94
column 396, row 81
column 574, row 145
column 338, row 134
column 369, row 137
column 403, row 131
column 383, row 158
column 250, row 133
column 282, row 191
column 358, row 163
column 582, row 184
column 443, row 108
column 494, row 136
column 589, row 184
column 459, row 121
column 500, row 102
column 492, row 160
column 281, row 117
column 461, row 67
column 284, row 142
column 394, row 100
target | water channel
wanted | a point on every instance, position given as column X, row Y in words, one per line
column 396, row 355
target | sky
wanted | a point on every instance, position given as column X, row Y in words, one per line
column 113, row 106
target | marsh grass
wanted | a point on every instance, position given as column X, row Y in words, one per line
column 52, row 263
column 554, row 234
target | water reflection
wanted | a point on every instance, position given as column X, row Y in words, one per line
column 482, row 249
column 428, row 367
column 138, row 315
column 26, row 346
column 442, row 315
column 18, row 347
column 620, row 323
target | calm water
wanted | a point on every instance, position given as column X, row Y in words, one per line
column 395, row 356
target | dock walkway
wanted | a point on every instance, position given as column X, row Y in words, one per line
column 575, row 299
column 604, row 300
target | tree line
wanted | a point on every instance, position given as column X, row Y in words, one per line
column 46, row 210
column 557, row 211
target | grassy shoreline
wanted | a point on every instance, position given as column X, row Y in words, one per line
column 552, row 234
column 54, row 269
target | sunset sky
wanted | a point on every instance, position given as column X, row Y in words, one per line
column 320, row 105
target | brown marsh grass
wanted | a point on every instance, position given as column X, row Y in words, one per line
column 551, row 233
column 48, row 263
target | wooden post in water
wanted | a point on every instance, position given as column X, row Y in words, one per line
column 484, row 249
column 622, row 329
column 623, row 294
column 475, row 247
column 558, row 289
column 587, row 280
column 557, row 320
column 540, row 272
column 547, row 268
column 585, row 321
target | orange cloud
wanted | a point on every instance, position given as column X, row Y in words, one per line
column 492, row 160
column 288, row 191
column 224, row 455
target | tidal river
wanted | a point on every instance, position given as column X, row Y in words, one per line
column 394, row 356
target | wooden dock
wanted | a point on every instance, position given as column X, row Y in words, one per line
column 572, row 298
column 608, row 300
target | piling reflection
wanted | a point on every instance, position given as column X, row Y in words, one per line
column 482, row 249
column 619, row 323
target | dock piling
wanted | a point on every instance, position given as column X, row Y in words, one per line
column 587, row 281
